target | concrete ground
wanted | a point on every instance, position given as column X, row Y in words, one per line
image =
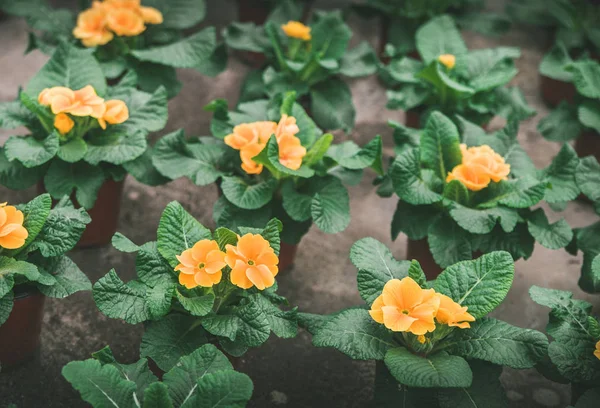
column 286, row 373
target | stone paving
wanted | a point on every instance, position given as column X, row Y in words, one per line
column 286, row 373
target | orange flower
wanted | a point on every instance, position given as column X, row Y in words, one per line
column 201, row 265
column 291, row 152
column 151, row 15
column 286, row 126
column 405, row 307
column 453, row 314
column 83, row 102
column 474, row 178
column 63, row 123
column 484, row 156
column 448, row 60
column 247, row 153
column 597, row 351
column 250, row 133
column 296, row 29
column 12, row 232
column 91, row 28
column 125, row 22
column 253, row 262
column 116, row 112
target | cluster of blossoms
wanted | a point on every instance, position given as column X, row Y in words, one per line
column 12, row 232
column 480, row 165
column 252, row 261
column 81, row 103
column 251, row 138
column 296, row 29
column 404, row 306
column 99, row 24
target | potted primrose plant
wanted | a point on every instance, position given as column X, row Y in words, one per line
column 204, row 377
column 454, row 80
column 84, row 137
column 400, row 20
column 466, row 194
column 129, row 35
column 432, row 341
column 309, row 60
column 574, row 353
column 33, row 241
column 269, row 159
column 195, row 287
column 573, row 25
column 580, row 118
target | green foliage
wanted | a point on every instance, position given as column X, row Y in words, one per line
column 204, row 377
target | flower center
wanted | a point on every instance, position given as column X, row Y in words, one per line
column 201, row 266
column 405, row 312
column 251, row 262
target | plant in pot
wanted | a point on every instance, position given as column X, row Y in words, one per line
column 269, row 159
column 574, row 31
column 203, row 377
column 84, row 137
column 579, row 119
column 33, row 241
column 195, row 287
column 433, row 344
column 454, row 80
column 145, row 37
column 309, row 60
column 400, row 20
column 471, row 193
column 574, row 353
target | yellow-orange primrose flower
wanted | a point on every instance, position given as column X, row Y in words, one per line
column 250, row 133
column 247, row 153
column 83, row 102
column 63, row 123
column 150, row 15
column 253, row 262
column 201, row 265
column 597, row 351
column 91, row 28
column 453, row 314
column 473, row 177
column 125, row 22
column 12, row 232
column 486, row 157
column 286, row 126
column 116, row 112
column 405, row 307
column 296, row 29
column 448, row 60
column 291, row 152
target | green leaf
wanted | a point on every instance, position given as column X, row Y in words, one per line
column 457, row 192
column 555, row 63
column 562, row 124
column 359, row 61
column 124, row 244
column 483, row 221
column 589, row 114
column 297, row 205
column 31, row 152
column 586, row 77
column 62, row 177
column 6, row 305
column 247, row 196
column 498, row 342
column 438, row 370
column 411, row 96
column 117, row 300
column 224, row 389
column 183, row 378
column 197, row 305
column 283, row 323
column 147, row 112
column 245, row 37
column 186, row 53
column 71, row 67
column 100, row 386
column 9, row 267
column 588, row 177
column 68, row 278
column 413, row 220
column 122, row 147
column 561, row 174
column 440, row 145
column 73, row 151
column 330, row 207
column 178, row 231
column 318, row 150
column 151, row 267
column 14, row 114
column 35, row 214
column 15, row 176
column 144, row 171
column 448, row 242
column 511, row 104
column 331, row 105
column 353, row 157
column 156, row 395
column 439, row 36
column 356, row 334
column 551, row 236
column 376, row 265
column 179, row 14
column 330, row 35
column 409, row 183
column 521, row 193
column 480, row 284
column 166, row 340
column 416, row 273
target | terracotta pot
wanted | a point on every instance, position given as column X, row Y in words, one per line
column 253, row 11
column 419, row 250
column 287, row 255
column 105, row 214
column 20, row 334
column 555, row 91
column 588, row 143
